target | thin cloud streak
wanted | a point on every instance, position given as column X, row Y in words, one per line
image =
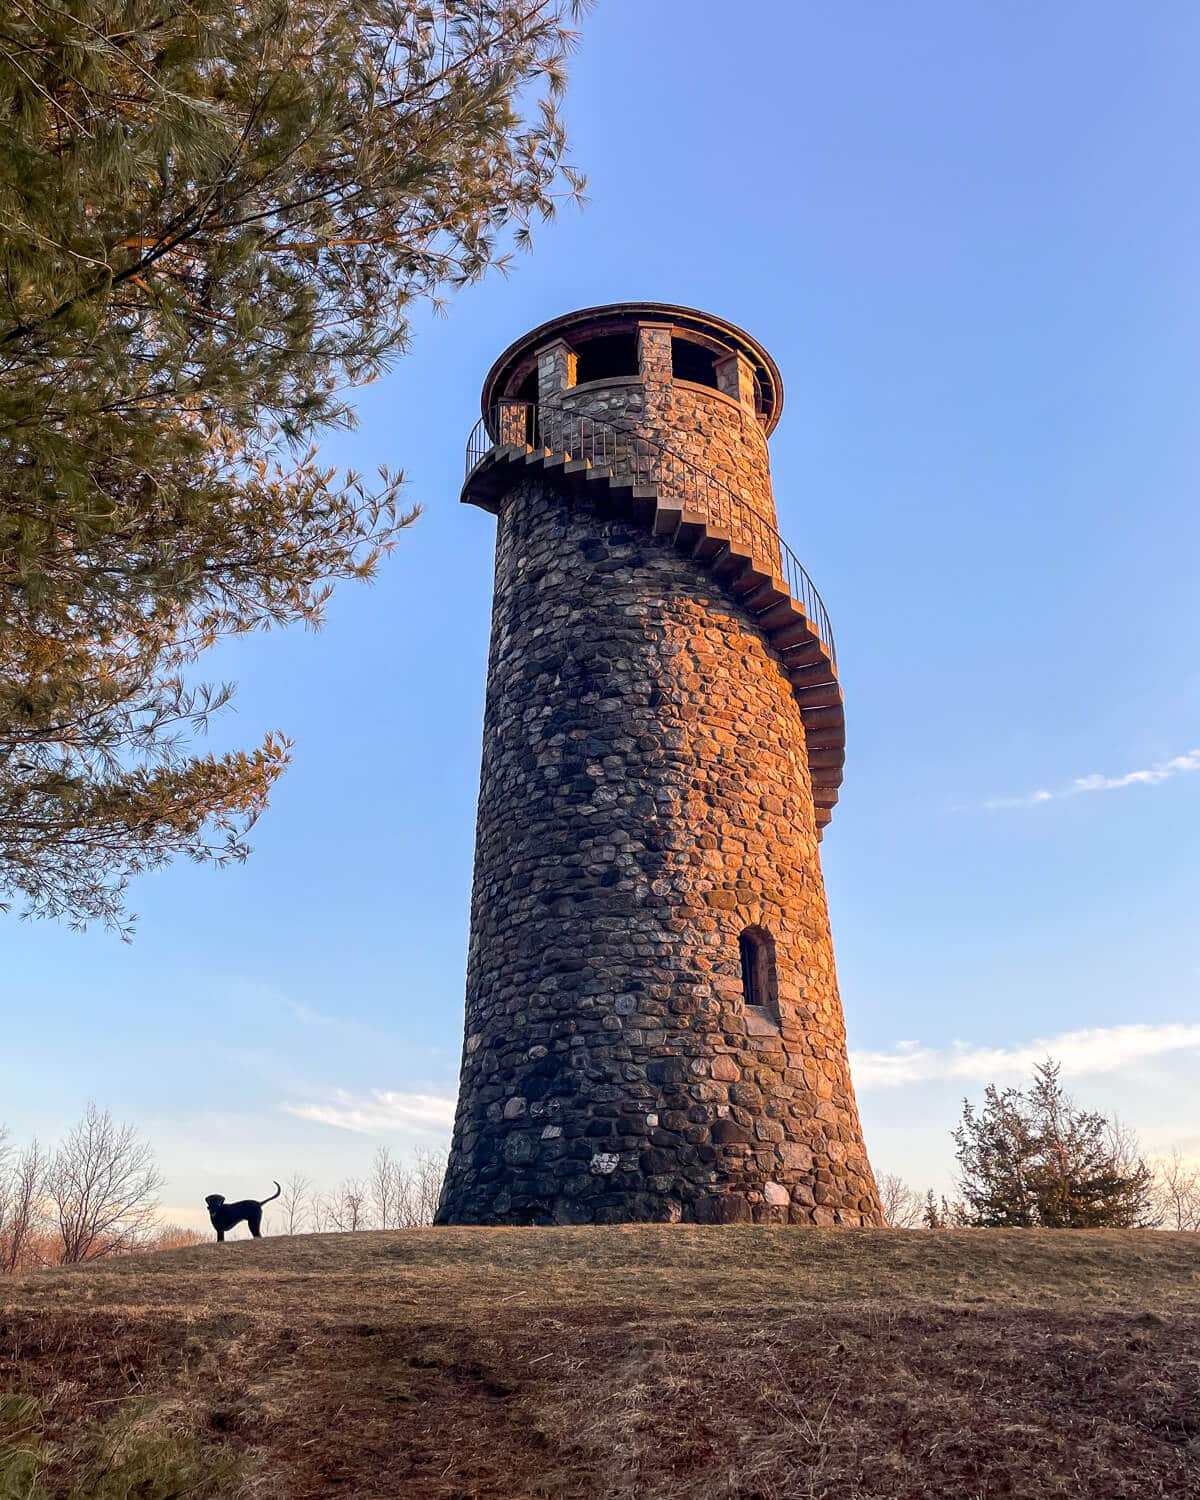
column 1152, row 776
column 1104, row 1049
column 379, row 1111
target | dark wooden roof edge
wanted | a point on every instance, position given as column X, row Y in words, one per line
column 614, row 315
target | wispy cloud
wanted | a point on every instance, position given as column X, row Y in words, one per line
column 378, row 1111
column 1151, row 776
column 1097, row 1050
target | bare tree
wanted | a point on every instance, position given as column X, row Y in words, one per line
column 1177, row 1192
column 319, row 1214
column 903, row 1207
column 22, row 1184
column 295, row 1204
column 347, row 1207
column 102, row 1186
column 429, row 1169
column 398, row 1195
column 1128, row 1159
column 387, row 1188
column 5, row 1184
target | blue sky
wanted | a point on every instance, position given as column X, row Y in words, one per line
column 969, row 236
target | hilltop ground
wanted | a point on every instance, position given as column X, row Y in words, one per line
column 642, row 1363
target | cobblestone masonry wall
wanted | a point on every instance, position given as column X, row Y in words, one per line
column 644, row 799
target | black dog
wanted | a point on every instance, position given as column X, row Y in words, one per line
column 223, row 1216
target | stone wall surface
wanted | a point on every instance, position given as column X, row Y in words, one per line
column 644, row 799
column 703, row 428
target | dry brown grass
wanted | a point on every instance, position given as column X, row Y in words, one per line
column 643, row 1363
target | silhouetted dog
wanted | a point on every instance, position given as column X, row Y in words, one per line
column 223, row 1216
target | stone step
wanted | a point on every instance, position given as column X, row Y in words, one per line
column 811, row 659
column 774, row 591
column 643, row 505
column 825, row 793
column 799, row 638
column 690, row 528
column 824, row 736
column 786, row 613
column 824, row 760
column 823, row 718
column 709, row 543
column 817, row 673
column 729, row 564
column 750, row 578
column 825, row 695
column 666, row 519
column 826, row 784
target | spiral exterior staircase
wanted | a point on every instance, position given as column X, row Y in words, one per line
column 624, row 474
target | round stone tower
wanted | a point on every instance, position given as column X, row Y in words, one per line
column 653, row 1028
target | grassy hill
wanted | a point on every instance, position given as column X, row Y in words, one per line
column 662, row 1363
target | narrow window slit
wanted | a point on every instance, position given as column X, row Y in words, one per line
column 760, row 990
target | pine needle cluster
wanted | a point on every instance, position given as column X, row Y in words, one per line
column 214, row 217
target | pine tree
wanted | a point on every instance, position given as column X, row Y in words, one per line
column 213, row 218
column 940, row 1213
column 1033, row 1159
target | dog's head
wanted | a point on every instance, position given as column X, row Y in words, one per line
column 214, row 1200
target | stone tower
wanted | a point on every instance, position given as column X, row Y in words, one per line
column 653, row 1028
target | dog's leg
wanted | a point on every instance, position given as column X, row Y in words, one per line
column 254, row 1223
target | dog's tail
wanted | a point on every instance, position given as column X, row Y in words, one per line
column 273, row 1196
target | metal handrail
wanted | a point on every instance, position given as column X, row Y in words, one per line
column 634, row 459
